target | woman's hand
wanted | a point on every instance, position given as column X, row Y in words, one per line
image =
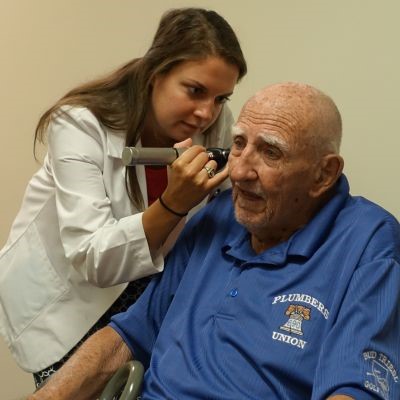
column 189, row 182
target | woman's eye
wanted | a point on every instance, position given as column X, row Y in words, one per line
column 222, row 99
column 194, row 90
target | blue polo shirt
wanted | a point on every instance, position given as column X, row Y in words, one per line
column 313, row 316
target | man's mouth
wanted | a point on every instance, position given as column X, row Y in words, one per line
column 249, row 195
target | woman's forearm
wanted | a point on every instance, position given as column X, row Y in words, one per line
column 158, row 223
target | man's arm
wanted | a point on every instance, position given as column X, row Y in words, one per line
column 85, row 374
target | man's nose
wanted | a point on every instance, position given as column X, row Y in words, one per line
column 243, row 167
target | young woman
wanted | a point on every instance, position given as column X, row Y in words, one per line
column 88, row 226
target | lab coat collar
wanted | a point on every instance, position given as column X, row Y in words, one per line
column 115, row 143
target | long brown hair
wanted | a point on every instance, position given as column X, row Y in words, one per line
column 120, row 100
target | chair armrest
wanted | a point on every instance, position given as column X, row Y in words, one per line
column 129, row 377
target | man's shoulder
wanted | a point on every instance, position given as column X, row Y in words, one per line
column 367, row 220
column 217, row 216
column 365, row 212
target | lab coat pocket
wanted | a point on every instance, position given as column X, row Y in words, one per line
column 28, row 284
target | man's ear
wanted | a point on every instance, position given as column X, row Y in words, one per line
column 326, row 174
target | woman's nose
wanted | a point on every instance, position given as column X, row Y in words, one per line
column 205, row 110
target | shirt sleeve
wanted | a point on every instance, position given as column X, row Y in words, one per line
column 360, row 356
column 107, row 251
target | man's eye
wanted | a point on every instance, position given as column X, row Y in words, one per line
column 238, row 143
column 272, row 153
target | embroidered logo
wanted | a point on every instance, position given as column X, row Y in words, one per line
column 380, row 370
column 296, row 316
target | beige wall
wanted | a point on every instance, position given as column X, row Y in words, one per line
column 348, row 48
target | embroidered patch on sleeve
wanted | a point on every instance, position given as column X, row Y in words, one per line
column 380, row 373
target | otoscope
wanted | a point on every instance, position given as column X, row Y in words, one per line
column 167, row 155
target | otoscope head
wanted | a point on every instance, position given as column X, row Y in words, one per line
column 219, row 155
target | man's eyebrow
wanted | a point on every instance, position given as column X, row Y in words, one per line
column 275, row 141
column 237, row 130
column 267, row 138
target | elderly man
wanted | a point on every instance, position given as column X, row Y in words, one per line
column 285, row 287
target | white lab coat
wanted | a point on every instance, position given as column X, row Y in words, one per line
column 76, row 240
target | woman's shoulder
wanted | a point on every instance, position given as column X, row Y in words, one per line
column 84, row 118
column 72, row 123
column 77, row 113
column 80, row 119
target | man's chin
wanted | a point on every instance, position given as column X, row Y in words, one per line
column 251, row 221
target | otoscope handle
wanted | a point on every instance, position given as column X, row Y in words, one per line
column 150, row 155
column 167, row 155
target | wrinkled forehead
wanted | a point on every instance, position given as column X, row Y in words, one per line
column 277, row 110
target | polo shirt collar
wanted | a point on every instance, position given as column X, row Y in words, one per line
column 303, row 243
